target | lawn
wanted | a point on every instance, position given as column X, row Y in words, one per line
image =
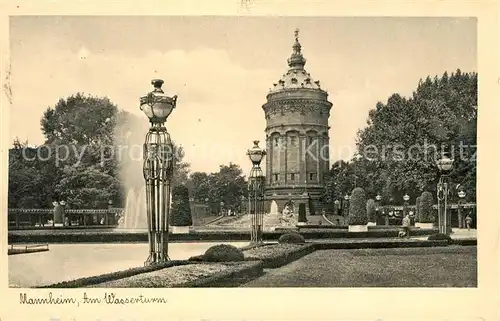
column 451, row 266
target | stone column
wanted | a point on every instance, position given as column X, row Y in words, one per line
column 302, row 153
column 318, row 160
column 269, row 166
column 282, row 163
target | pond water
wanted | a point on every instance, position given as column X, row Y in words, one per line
column 64, row 262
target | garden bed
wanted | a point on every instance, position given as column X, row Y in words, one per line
column 228, row 274
column 89, row 281
column 277, row 255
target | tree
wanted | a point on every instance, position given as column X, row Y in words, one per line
column 80, row 119
column 426, row 213
column 227, row 186
column 370, row 210
column 357, row 207
column 87, row 187
column 180, row 214
column 199, row 186
column 33, row 174
column 403, row 135
column 340, row 181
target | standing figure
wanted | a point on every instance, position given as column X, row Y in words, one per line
column 406, row 226
column 468, row 221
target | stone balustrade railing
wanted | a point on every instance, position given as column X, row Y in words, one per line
column 40, row 218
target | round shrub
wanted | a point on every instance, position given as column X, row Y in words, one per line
column 357, row 207
column 425, row 210
column 440, row 237
column 291, row 238
column 180, row 214
column 197, row 258
column 223, row 253
column 302, row 213
column 371, row 210
column 417, row 209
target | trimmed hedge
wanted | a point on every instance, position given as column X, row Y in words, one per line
column 180, row 214
column 357, row 207
column 223, row 253
column 291, row 238
column 229, row 236
column 232, row 278
column 426, row 202
column 440, row 237
column 376, row 244
column 282, row 258
column 93, row 280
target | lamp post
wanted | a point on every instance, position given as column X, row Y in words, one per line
column 406, row 198
column 445, row 166
column 461, row 195
column 256, row 193
column 157, row 170
column 378, row 198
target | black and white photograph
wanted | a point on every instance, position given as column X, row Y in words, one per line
column 252, row 151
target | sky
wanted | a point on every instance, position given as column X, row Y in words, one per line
column 222, row 68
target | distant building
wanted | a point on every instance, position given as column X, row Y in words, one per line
column 297, row 139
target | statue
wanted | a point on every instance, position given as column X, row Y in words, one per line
column 287, row 217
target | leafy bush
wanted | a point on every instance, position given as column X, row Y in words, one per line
column 357, row 207
column 181, row 211
column 370, row 210
column 223, row 253
column 302, row 213
column 425, row 210
column 440, row 237
column 417, row 209
column 291, row 238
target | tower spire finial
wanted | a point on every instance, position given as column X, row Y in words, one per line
column 296, row 60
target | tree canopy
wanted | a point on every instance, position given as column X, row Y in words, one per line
column 402, row 139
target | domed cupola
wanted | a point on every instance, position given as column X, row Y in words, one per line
column 296, row 77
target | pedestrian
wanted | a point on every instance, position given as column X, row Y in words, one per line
column 468, row 221
column 406, row 225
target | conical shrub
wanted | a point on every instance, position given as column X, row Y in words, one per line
column 302, row 213
column 370, row 210
column 180, row 214
column 425, row 208
column 357, row 207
